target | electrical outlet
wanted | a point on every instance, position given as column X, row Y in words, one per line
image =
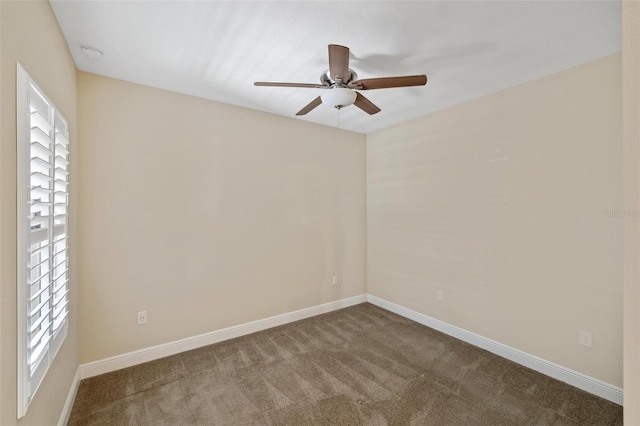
column 584, row 338
column 440, row 295
column 334, row 280
column 142, row 317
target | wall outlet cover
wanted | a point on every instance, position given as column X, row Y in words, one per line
column 585, row 338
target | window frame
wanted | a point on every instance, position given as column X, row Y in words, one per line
column 28, row 383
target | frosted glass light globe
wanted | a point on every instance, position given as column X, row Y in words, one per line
column 338, row 97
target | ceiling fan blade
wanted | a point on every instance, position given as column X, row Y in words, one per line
column 389, row 82
column 366, row 105
column 308, row 85
column 314, row 103
column 339, row 62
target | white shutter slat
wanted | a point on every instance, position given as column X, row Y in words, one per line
column 38, row 121
column 37, row 135
column 62, row 140
column 59, row 297
column 38, row 235
column 62, row 262
column 41, row 330
column 59, row 274
column 37, row 324
column 41, row 190
column 59, row 321
column 61, row 149
column 40, row 150
column 59, row 230
column 61, row 285
column 61, row 250
column 41, row 163
column 37, row 280
column 41, row 304
column 39, row 292
column 44, row 218
column 41, row 176
column 43, row 261
column 58, row 317
column 60, row 161
column 40, row 249
column 42, row 334
column 36, row 355
column 60, row 173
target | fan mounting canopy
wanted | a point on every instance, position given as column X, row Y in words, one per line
column 325, row 78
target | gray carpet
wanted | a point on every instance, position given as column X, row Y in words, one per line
column 358, row 366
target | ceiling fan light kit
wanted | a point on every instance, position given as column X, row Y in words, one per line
column 339, row 84
column 338, row 97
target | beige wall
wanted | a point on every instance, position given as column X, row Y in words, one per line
column 208, row 215
column 631, row 140
column 500, row 202
column 31, row 36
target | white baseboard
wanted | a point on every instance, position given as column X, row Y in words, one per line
column 129, row 359
column 574, row 378
column 71, row 397
column 579, row 380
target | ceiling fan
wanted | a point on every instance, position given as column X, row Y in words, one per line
column 341, row 83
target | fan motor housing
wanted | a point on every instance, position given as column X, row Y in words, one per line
column 325, row 78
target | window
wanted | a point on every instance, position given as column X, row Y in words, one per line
column 43, row 258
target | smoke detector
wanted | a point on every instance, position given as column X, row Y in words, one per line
column 91, row 52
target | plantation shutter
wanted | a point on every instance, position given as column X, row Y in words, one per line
column 43, row 213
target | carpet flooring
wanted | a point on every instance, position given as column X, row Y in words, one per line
column 361, row 365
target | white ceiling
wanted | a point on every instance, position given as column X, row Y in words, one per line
column 216, row 50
